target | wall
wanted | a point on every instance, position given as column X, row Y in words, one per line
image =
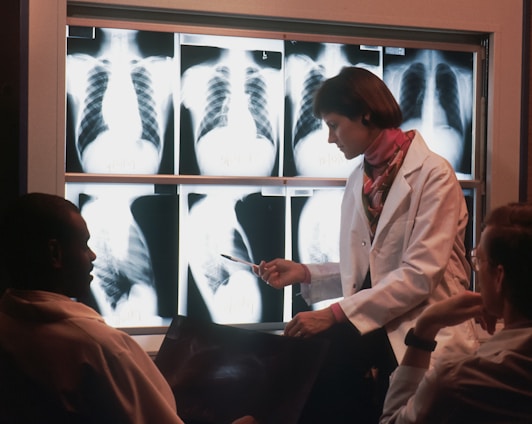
column 526, row 176
column 9, row 100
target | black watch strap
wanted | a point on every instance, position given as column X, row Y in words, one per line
column 412, row 340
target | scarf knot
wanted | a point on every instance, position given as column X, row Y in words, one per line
column 381, row 165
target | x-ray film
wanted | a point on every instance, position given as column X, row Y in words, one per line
column 241, row 223
column 119, row 102
column 435, row 91
column 232, row 93
column 134, row 233
column 308, row 153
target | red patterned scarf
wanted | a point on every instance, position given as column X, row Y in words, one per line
column 382, row 160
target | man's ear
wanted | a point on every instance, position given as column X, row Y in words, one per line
column 499, row 280
column 55, row 253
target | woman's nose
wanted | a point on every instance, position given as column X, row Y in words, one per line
column 332, row 137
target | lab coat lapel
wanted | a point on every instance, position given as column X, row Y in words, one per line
column 359, row 204
column 401, row 189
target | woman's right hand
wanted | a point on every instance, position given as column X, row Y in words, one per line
column 279, row 273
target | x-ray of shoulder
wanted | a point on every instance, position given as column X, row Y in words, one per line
column 119, row 102
column 232, row 101
column 435, row 91
column 315, row 231
column 244, row 224
column 134, row 233
column 308, row 64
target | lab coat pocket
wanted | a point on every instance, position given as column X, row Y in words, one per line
column 389, row 246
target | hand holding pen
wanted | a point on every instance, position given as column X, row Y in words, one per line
column 280, row 273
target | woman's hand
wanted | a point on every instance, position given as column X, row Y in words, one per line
column 310, row 323
column 280, row 273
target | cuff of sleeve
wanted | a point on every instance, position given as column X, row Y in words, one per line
column 338, row 312
column 306, row 279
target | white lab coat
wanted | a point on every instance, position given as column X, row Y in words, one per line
column 417, row 256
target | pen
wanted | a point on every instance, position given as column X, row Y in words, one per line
column 242, row 261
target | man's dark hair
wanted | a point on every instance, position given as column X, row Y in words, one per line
column 27, row 226
column 509, row 243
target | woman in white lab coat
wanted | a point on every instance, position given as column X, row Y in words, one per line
column 403, row 222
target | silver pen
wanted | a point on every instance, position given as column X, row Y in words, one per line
column 242, row 261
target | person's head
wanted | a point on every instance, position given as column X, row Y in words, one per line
column 504, row 257
column 356, row 106
column 44, row 245
column 357, row 93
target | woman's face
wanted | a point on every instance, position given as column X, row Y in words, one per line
column 351, row 136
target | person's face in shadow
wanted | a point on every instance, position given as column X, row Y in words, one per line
column 75, row 259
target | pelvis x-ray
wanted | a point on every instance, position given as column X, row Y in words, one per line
column 231, row 105
column 435, row 92
column 241, row 223
column 307, row 65
column 120, row 112
column 134, row 234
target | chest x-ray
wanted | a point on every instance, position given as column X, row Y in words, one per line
column 134, row 235
column 307, row 65
column 435, row 92
column 231, row 105
column 238, row 222
column 119, row 87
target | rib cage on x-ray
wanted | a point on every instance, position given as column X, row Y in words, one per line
column 142, row 82
column 413, row 87
column 255, row 88
column 219, row 98
column 217, row 104
column 447, row 89
column 413, row 90
column 92, row 123
column 306, row 121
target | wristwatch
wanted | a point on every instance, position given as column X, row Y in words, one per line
column 412, row 340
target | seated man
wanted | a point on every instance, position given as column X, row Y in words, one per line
column 495, row 384
column 59, row 361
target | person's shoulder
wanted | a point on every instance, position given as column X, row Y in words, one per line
column 459, row 369
column 92, row 332
column 486, row 386
column 423, row 164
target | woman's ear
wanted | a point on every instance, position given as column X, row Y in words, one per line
column 499, row 280
column 55, row 253
column 366, row 120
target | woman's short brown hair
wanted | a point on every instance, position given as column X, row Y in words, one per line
column 355, row 92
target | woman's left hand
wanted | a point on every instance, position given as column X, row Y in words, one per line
column 307, row 324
